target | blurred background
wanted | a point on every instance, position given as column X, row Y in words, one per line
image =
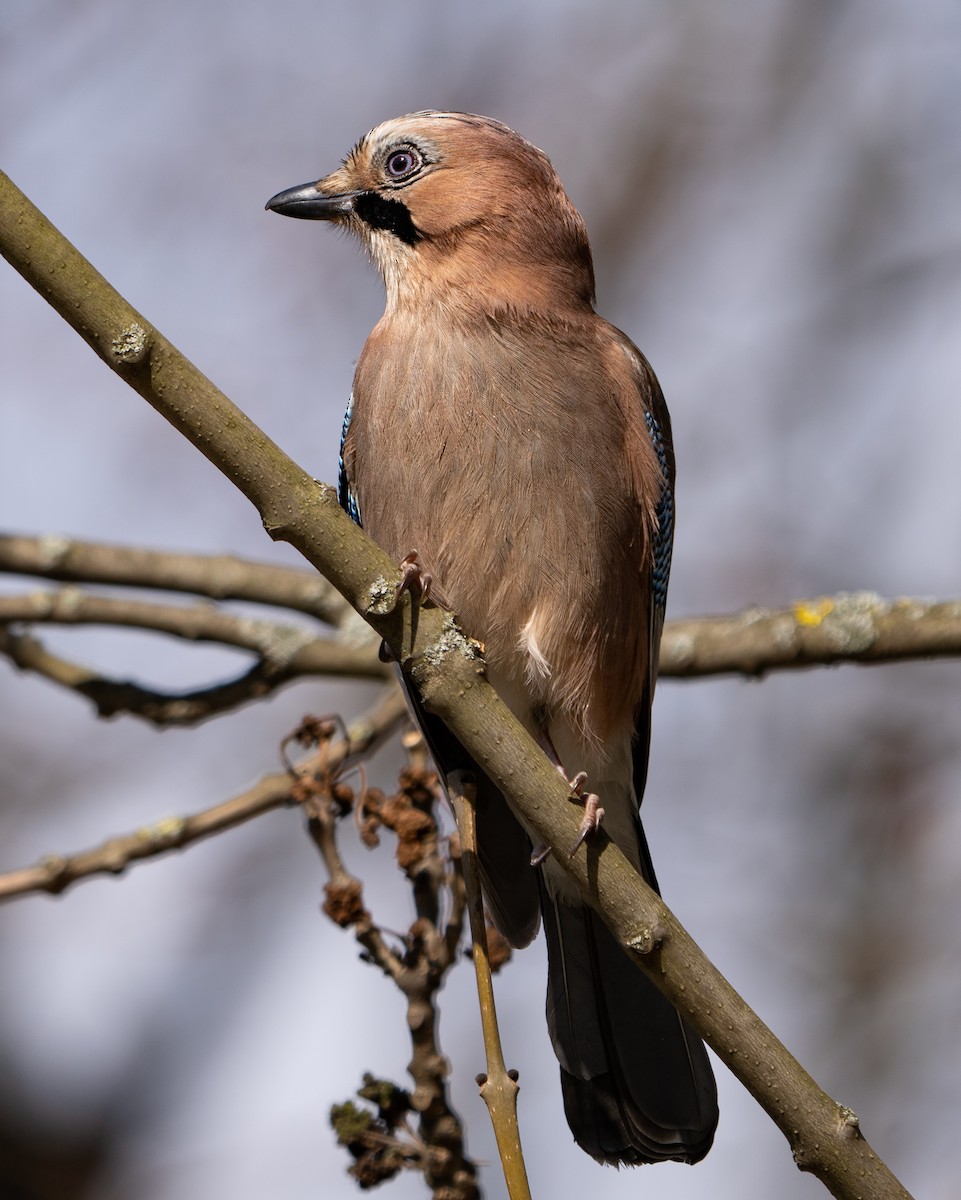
column 773, row 192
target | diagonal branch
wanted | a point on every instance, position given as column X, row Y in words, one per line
column 448, row 671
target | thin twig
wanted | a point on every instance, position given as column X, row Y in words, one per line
column 419, row 972
column 56, row 872
column 499, row 1087
column 344, row 891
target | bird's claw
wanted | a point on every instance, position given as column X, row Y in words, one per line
column 593, row 815
column 413, row 578
column 539, row 854
column 577, row 783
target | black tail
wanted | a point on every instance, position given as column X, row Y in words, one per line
column 637, row 1083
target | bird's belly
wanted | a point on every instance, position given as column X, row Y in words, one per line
column 528, row 541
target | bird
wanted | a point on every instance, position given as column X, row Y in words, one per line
column 521, row 443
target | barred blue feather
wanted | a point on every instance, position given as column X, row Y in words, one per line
column 345, row 493
column 664, row 536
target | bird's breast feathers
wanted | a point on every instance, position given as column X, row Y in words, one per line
column 517, row 462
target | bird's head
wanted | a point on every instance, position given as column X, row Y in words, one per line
column 456, row 209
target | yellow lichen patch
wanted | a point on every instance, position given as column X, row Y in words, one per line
column 813, row 612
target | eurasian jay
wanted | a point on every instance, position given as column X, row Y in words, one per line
column 521, row 443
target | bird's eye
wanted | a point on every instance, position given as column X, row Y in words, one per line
column 401, row 163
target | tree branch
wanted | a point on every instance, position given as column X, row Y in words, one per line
column 287, row 651
column 858, row 627
column 419, row 970
column 498, row 1086
column 218, row 577
column 447, row 668
column 115, row 697
column 56, row 872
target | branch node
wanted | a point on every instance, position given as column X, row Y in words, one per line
column 326, row 492
column 53, row 548
column 278, row 644
column 380, row 597
column 453, row 640
column 849, row 619
column 850, row 1124
column 55, row 868
column 856, row 616
column 683, row 651
column 646, row 940
column 165, row 832
column 344, row 903
column 131, row 345
column 66, row 602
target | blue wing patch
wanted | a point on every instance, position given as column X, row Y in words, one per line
column 345, row 493
column 664, row 534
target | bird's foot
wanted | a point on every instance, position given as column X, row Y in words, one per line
column 413, row 579
column 593, row 813
column 590, row 822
